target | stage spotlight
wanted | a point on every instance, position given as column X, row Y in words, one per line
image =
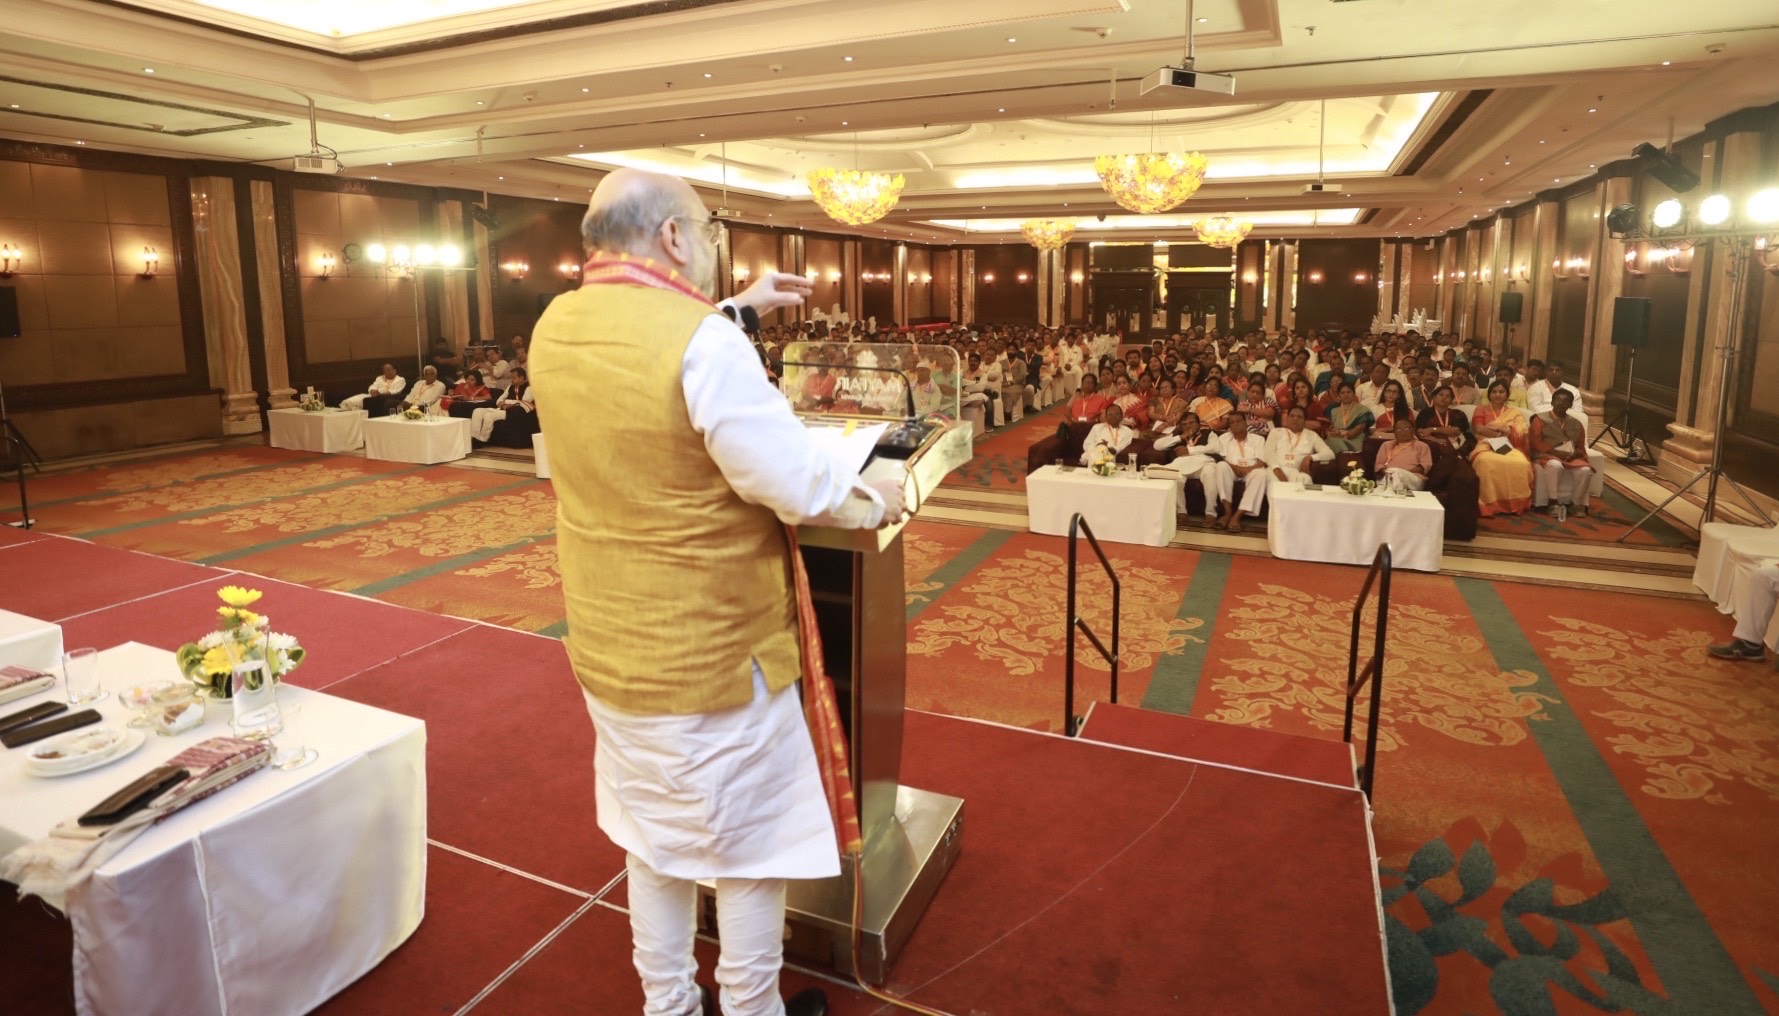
column 1666, row 168
column 1763, row 207
column 1667, row 214
column 451, row 255
column 1714, row 210
column 423, row 254
column 376, row 253
column 1623, row 220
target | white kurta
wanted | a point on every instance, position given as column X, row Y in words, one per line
column 733, row 793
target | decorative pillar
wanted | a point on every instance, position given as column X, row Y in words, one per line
column 218, row 256
column 1543, row 284
column 486, row 274
column 899, row 285
column 279, row 394
column 793, row 258
column 966, row 286
column 454, row 321
column 1286, row 280
column 850, row 296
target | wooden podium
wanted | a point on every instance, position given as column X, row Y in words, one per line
column 911, row 836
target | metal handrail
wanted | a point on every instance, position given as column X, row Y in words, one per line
column 1373, row 674
column 1078, row 525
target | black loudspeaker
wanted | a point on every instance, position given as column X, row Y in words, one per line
column 1630, row 321
column 1511, row 304
column 9, row 313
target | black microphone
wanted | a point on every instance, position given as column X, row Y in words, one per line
column 746, row 317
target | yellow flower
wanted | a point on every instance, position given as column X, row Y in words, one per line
column 246, row 617
column 235, row 596
column 220, row 660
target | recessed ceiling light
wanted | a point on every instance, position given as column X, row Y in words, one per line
column 479, row 102
column 848, row 59
column 389, row 164
column 700, row 135
column 1002, row 109
column 586, row 90
column 1593, row 109
column 373, row 178
column 15, row 105
column 844, row 123
column 707, row 74
column 1011, row 39
column 1541, row 141
column 387, row 115
column 80, row 142
column 500, row 178
column 1666, row 62
column 148, row 70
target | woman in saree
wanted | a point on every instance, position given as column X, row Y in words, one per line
column 1502, row 468
column 1442, row 424
column 1258, row 407
column 1392, row 406
column 1349, row 420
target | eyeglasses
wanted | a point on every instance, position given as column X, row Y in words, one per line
column 709, row 227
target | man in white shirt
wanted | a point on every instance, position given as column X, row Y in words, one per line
column 1290, row 449
column 494, row 366
column 1244, row 457
column 1754, row 615
column 1371, row 390
column 387, row 383
column 516, row 399
column 1110, row 434
column 1538, row 393
column 428, row 391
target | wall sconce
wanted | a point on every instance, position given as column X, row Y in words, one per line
column 1023, row 278
column 988, row 278
column 1359, row 278
column 1579, row 268
column 517, row 269
column 1249, row 277
column 833, row 276
column 1521, row 273
column 569, row 270
column 1633, row 263
column 1559, row 269
column 11, row 258
column 151, row 262
column 1076, row 277
column 926, row 277
column 1680, row 262
column 742, row 272
column 1438, row 278
column 1313, row 278
column 324, row 265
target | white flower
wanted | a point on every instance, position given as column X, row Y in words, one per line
column 280, row 641
column 212, row 640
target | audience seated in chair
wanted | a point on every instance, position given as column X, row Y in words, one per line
column 1405, row 459
column 1559, row 444
column 429, row 391
column 386, row 385
column 1503, row 471
column 1754, row 615
column 517, row 399
column 467, row 395
column 1110, row 435
column 1244, row 458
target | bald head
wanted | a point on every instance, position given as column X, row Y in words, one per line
column 651, row 215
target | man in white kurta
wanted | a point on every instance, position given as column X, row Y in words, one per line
column 429, row 391
column 1244, row 457
column 1110, row 435
column 730, row 794
column 387, row 383
column 1290, row 449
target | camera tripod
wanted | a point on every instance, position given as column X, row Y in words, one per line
column 1623, row 427
column 16, row 453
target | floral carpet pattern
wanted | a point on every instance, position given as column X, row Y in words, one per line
column 1574, row 805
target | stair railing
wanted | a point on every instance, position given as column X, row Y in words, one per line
column 1373, row 672
column 1078, row 526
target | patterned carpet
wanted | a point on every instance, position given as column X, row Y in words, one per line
column 1574, row 804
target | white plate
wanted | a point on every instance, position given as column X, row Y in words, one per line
column 131, row 740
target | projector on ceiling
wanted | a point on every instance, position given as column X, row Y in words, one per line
column 1321, row 188
column 316, row 164
column 1190, row 80
column 726, row 215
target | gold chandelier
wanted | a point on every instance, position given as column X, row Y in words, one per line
column 1047, row 234
column 1222, row 230
column 1152, row 182
column 853, row 196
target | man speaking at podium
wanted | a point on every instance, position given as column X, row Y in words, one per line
column 676, row 466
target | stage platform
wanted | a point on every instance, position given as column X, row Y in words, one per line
column 1095, row 878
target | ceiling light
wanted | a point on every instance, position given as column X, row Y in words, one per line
column 148, row 70
column 1763, row 207
column 1001, row 109
column 854, row 197
column 585, row 90
column 500, row 178
column 848, row 59
column 15, row 105
column 387, row 115
column 1667, row 214
column 708, row 74
column 1011, row 39
column 1714, row 210
column 1593, row 109
column 1666, row 62
column 80, row 142
column 700, row 135
column 1047, row 234
column 479, row 102
column 1151, row 182
column 1541, row 141
column 1203, row 20
column 1224, row 231
column 843, row 123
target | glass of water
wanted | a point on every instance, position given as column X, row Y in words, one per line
column 290, row 749
column 80, row 667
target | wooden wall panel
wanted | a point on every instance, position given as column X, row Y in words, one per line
column 1337, row 301
column 1006, row 300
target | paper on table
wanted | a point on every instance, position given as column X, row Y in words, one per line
column 847, row 446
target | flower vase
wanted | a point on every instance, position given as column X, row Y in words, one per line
column 254, row 697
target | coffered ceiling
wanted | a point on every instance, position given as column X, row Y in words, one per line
column 1425, row 113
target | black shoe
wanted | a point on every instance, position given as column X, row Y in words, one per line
column 808, row 1002
column 1736, row 649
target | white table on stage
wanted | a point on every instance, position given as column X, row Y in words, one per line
column 330, row 430
column 28, row 642
column 1118, row 508
column 1334, row 526
column 542, row 453
column 1728, row 556
column 427, row 442
column 267, row 898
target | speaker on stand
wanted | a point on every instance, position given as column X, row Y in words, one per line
column 1630, row 331
column 1511, row 305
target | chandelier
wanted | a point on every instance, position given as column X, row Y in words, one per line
column 1152, row 182
column 1047, row 234
column 1222, row 230
column 853, row 196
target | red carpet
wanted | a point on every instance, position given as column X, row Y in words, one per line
column 1322, row 759
column 56, row 578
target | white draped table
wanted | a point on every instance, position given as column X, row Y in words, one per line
column 267, row 898
column 1334, row 526
column 1119, row 508
column 330, row 430
column 28, row 642
column 427, row 441
column 1728, row 555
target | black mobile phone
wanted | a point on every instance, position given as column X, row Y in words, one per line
column 31, row 715
column 140, row 793
column 30, row 733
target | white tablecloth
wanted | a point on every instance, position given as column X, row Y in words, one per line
column 1334, row 526
column 1119, row 508
column 28, row 642
column 265, row 899
column 331, row 430
column 424, row 441
column 1728, row 555
column 543, row 455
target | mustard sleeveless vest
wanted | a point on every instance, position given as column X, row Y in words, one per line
column 674, row 585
